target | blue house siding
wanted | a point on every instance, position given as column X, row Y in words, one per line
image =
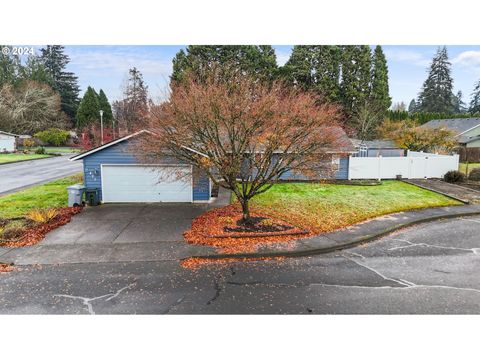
column 120, row 154
column 342, row 172
column 201, row 186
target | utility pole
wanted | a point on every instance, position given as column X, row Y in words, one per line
column 101, row 126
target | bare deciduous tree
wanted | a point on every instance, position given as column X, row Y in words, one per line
column 29, row 108
column 242, row 133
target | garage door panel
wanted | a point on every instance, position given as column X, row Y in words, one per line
column 146, row 184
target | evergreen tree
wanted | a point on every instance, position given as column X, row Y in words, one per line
column 35, row 70
column 104, row 105
column 10, row 68
column 327, row 71
column 475, row 102
column 259, row 61
column 436, row 94
column 63, row 81
column 89, row 109
column 356, row 72
column 131, row 111
column 412, row 107
column 299, row 69
column 380, row 91
column 315, row 67
column 458, row 104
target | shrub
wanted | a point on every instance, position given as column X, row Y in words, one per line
column 454, row 176
column 40, row 151
column 12, row 233
column 42, row 215
column 55, row 137
column 28, row 143
column 474, row 175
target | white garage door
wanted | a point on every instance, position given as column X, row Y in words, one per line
column 131, row 183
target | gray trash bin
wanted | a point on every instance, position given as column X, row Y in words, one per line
column 75, row 195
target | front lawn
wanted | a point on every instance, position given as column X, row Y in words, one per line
column 471, row 166
column 55, row 149
column 8, row 158
column 325, row 207
column 50, row 195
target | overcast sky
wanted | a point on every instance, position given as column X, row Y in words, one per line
column 105, row 67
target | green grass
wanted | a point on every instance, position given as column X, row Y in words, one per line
column 8, row 158
column 471, row 166
column 325, row 207
column 50, row 195
column 56, row 150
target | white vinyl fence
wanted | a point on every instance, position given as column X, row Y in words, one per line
column 416, row 165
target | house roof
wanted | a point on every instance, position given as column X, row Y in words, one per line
column 375, row 144
column 344, row 142
column 460, row 126
column 113, row 142
column 108, row 144
column 467, row 139
column 7, row 133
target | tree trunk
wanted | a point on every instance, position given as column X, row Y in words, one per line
column 245, row 211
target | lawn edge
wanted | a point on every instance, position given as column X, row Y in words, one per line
column 19, row 161
column 324, row 250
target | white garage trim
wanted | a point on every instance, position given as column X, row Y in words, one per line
column 147, row 166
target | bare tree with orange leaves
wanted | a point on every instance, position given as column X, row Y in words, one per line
column 243, row 133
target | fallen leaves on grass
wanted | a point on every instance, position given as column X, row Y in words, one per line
column 214, row 228
column 194, row 263
column 4, row 268
column 36, row 233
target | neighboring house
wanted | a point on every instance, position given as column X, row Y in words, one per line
column 119, row 176
column 374, row 148
column 7, row 142
column 467, row 130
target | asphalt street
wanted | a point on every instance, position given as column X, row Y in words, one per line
column 16, row 176
column 427, row 269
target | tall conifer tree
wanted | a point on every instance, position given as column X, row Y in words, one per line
column 437, row 91
column 380, row 91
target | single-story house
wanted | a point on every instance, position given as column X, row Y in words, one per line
column 7, row 141
column 374, row 148
column 467, row 130
column 119, row 176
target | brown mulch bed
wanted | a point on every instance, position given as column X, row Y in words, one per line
column 4, row 268
column 35, row 234
column 222, row 228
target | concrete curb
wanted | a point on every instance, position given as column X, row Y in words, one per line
column 346, row 245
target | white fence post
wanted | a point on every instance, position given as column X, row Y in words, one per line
column 380, row 167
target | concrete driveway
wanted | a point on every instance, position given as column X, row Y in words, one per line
column 16, row 176
column 117, row 232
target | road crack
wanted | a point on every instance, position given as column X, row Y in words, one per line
column 403, row 284
column 88, row 301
